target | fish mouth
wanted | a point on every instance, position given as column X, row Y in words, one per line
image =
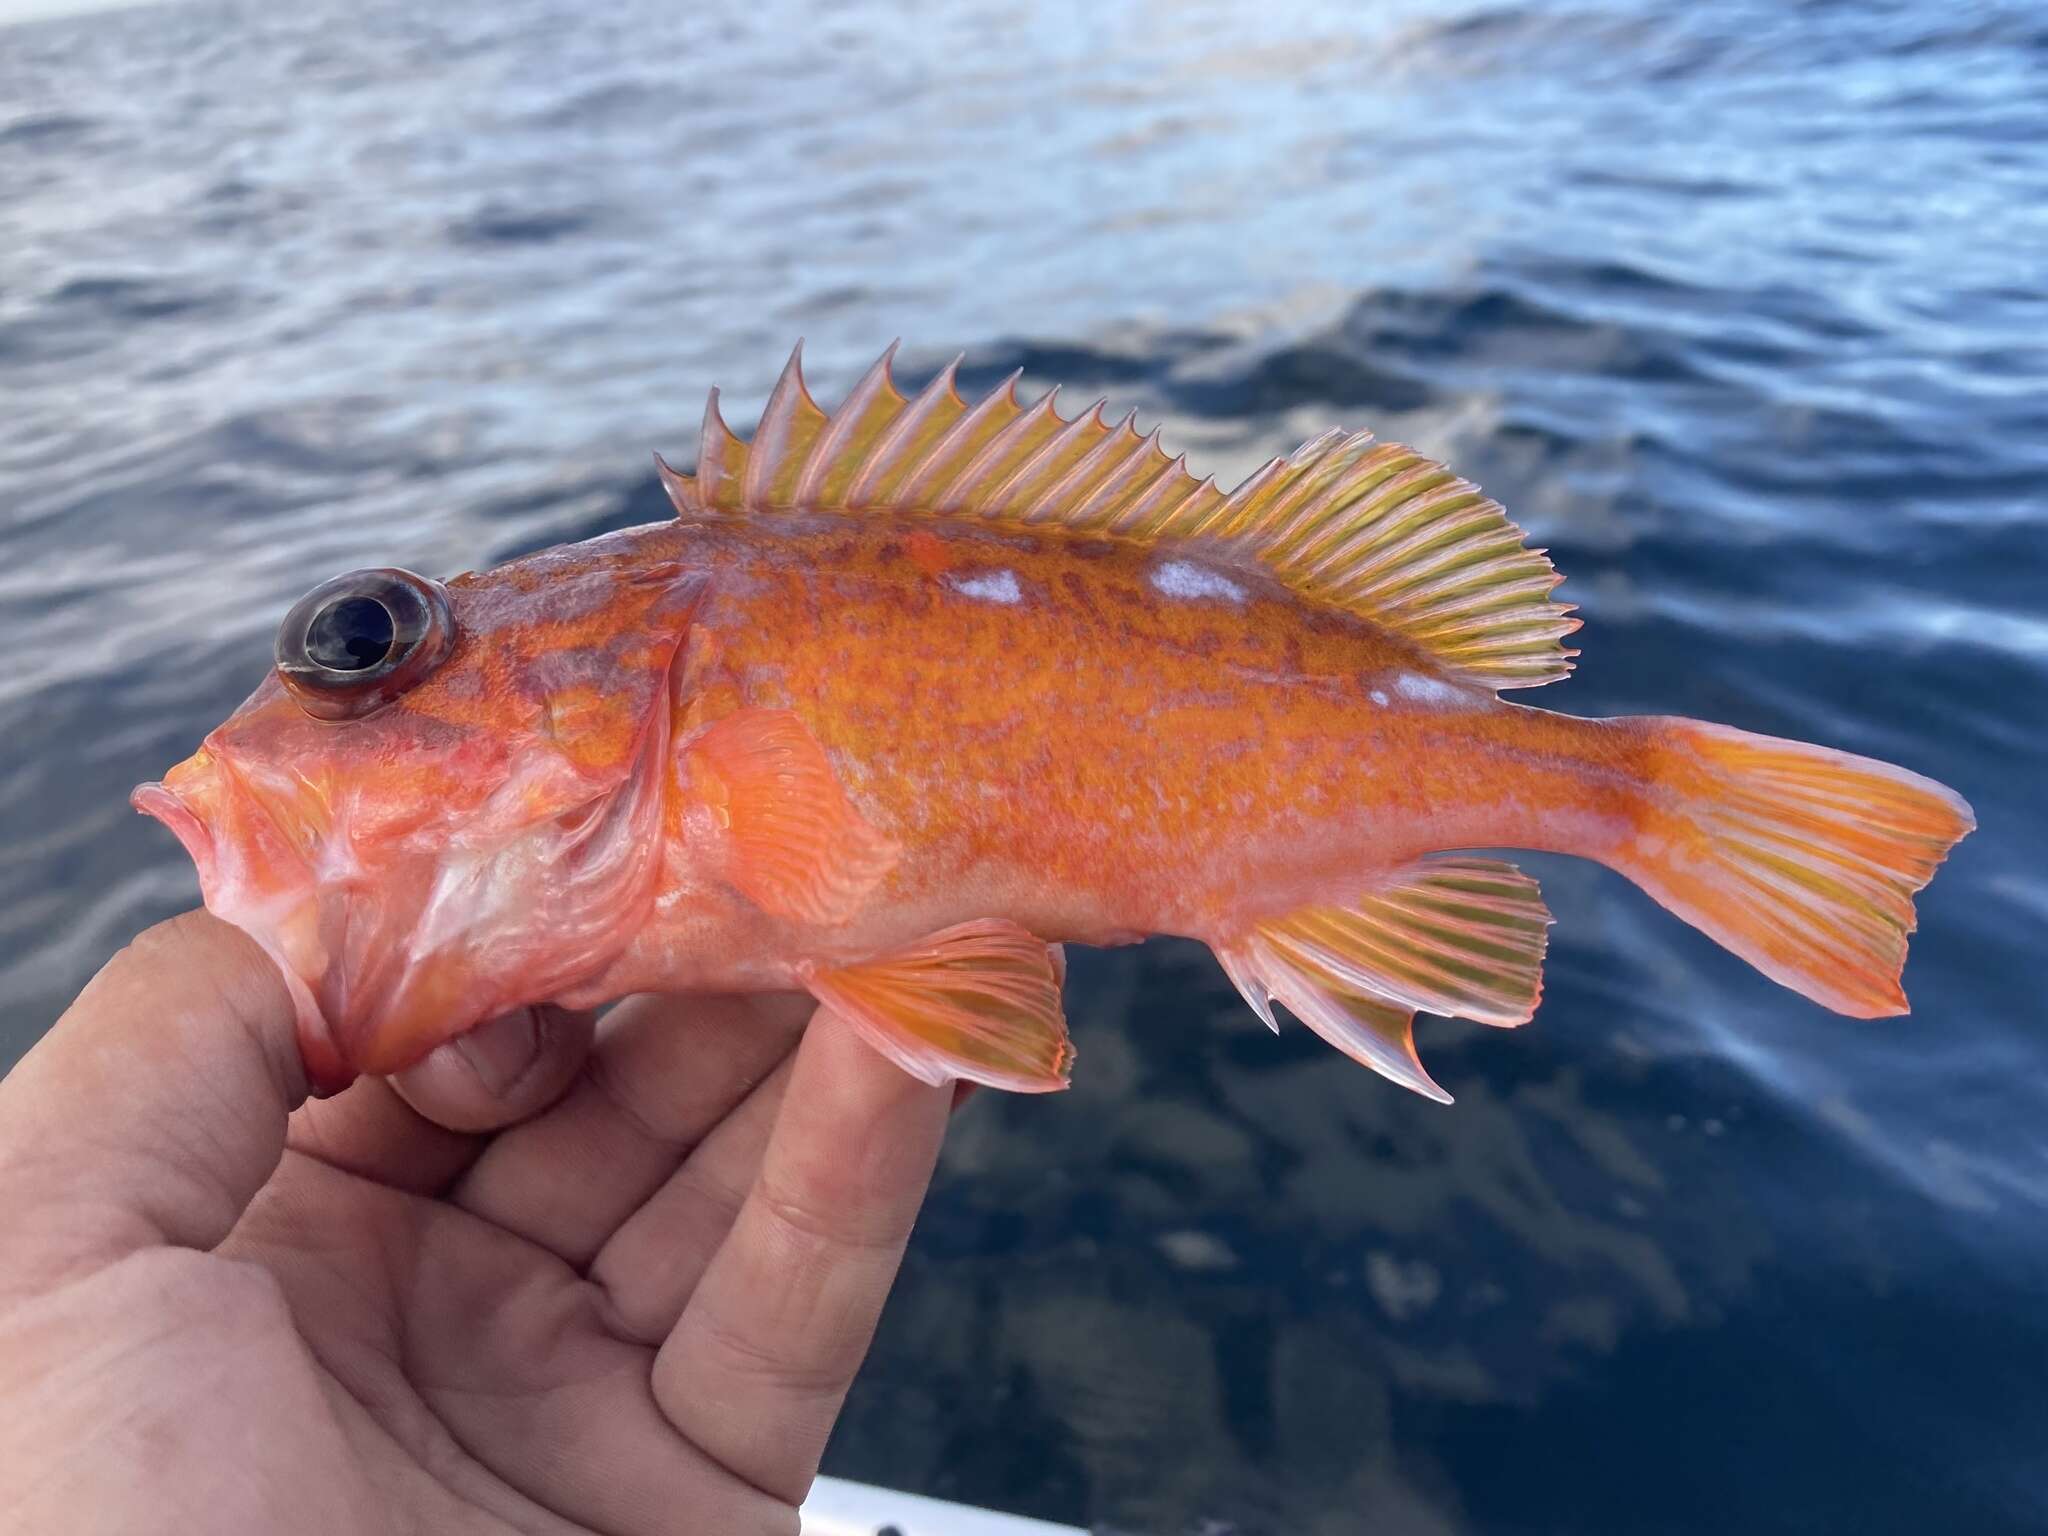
column 159, row 800
column 265, row 910
column 392, row 950
column 365, row 1002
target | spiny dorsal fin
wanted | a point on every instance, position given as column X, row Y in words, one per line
column 1373, row 528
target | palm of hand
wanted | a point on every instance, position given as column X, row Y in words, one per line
column 637, row 1310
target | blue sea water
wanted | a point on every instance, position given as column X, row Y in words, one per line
column 1740, row 309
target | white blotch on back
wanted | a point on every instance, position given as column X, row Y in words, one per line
column 1183, row 578
column 1425, row 690
column 1379, row 697
column 990, row 587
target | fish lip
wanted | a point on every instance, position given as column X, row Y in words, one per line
column 339, row 1036
column 167, row 806
column 327, row 1071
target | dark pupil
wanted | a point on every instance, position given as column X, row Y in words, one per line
column 351, row 635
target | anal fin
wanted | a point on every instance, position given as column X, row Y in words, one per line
column 979, row 1001
column 1452, row 935
column 1368, row 1029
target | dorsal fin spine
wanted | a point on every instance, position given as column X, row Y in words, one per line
column 1245, row 503
column 1163, row 503
column 1295, row 504
column 1139, row 468
column 719, row 455
column 1305, row 474
column 1203, row 508
column 1077, row 486
column 982, row 476
column 877, row 386
column 1020, row 491
column 765, row 448
column 1168, row 486
column 681, row 488
column 959, row 434
column 790, row 422
column 901, row 439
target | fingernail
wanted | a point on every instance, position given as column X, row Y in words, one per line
column 500, row 1051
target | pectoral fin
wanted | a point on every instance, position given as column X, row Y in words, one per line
column 1459, row 936
column 980, row 1001
column 800, row 848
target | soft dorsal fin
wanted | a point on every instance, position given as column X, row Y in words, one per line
column 1373, row 528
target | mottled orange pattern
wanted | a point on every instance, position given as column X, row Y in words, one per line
column 1058, row 735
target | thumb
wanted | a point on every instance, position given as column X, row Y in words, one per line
column 154, row 1110
column 504, row 1070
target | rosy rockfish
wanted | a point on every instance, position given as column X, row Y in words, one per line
column 909, row 694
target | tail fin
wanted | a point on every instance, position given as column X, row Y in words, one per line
column 1801, row 859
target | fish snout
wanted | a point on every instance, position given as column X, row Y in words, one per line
column 233, row 846
column 393, row 942
column 162, row 802
column 280, row 872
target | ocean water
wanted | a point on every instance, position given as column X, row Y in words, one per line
column 1738, row 307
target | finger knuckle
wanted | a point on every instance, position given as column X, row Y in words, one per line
column 771, row 1363
column 817, row 1223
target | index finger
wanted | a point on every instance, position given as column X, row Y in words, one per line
column 155, row 1108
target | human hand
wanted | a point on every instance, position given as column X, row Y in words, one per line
column 636, row 1307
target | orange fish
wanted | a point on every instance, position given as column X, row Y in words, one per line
column 909, row 694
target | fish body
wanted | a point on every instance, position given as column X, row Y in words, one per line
column 910, row 692
column 1095, row 741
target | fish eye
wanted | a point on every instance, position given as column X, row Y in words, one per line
column 351, row 634
column 353, row 644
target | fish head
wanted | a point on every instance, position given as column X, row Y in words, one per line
column 445, row 801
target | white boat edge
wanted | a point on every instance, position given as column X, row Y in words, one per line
column 840, row 1508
